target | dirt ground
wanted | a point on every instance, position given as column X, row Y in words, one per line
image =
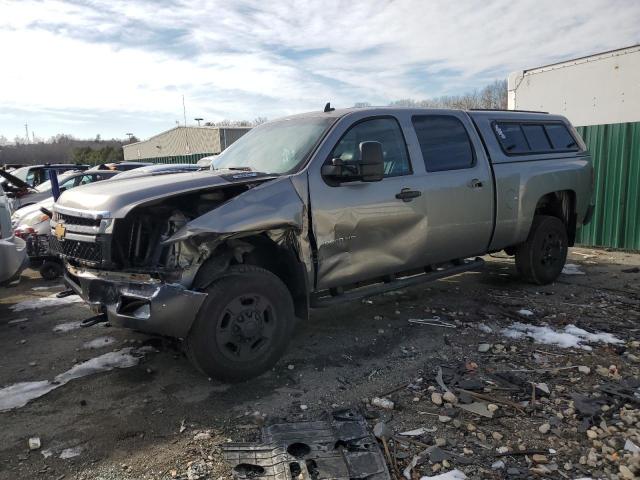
column 143, row 420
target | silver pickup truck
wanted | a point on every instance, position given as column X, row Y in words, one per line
column 319, row 208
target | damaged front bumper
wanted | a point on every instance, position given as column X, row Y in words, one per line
column 137, row 301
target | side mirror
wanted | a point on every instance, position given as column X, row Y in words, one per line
column 369, row 168
column 371, row 162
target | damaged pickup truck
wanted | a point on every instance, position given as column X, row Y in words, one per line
column 319, row 208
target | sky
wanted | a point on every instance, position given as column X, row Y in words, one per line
column 112, row 67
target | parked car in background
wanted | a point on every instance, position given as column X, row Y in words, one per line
column 317, row 209
column 34, row 175
column 158, row 169
column 13, row 254
column 121, row 166
column 66, row 181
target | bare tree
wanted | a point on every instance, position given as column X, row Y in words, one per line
column 493, row 95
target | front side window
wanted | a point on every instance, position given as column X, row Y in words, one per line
column 383, row 130
column 444, row 143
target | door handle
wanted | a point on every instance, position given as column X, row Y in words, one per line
column 475, row 183
column 406, row 194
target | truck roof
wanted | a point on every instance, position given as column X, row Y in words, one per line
column 474, row 113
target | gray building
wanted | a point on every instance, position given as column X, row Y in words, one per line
column 183, row 144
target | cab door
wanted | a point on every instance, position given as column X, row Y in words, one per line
column 458, row 186
column 365, row 230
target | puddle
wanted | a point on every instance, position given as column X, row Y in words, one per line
column 19, row 394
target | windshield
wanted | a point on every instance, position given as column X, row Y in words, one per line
column 21, row 173
column 46, row 186
column 275, row 147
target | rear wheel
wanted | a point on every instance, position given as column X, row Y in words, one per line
column 542, row 257
column 244, row 325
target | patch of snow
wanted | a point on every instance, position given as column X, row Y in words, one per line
column 19, row 394
column 70, row 452
column 67, row 327
column 525, row 313
column 46, row 453
column 572, row 269
column 17, row 320
column 485, row 328
column 46, row 302
column 570, row 337
column 48, row 287
column 99, row 342
column 450, row 475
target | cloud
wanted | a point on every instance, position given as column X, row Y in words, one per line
column 245, row 58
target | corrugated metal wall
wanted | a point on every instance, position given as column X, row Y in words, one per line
column 615, row 149
column 180, row 144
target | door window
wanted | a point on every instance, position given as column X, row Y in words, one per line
column 444, row 142
column 383, row 130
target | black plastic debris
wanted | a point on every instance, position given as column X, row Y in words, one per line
column 338, row 447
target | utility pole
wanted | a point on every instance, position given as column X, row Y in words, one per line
column 129, row 135
column 186, row 135
column 198, row 120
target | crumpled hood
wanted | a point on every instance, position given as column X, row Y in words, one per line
column 115, row 198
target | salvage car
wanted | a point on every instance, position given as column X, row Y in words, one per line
column 65, row 181
column 13, row 252
column 316, row 209
column 34, row 175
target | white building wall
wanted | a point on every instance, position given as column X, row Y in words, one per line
column 599, row 89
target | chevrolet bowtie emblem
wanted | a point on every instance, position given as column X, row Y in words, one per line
column 59, row 231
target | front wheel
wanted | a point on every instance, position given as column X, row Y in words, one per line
column 244, row 325
column 542, row 257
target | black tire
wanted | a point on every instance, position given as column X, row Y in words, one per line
column 50, row 270
column 542, row 257
column 244, row 325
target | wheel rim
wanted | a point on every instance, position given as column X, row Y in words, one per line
column 245, row 328
column 551, row 250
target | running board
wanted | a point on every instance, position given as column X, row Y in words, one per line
column 325, row 299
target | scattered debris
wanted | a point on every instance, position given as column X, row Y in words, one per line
column 418, row 432
column 340, row 446
column 525, row 313
column 434, row 322
column 34, row 443
column 384, row 403
column 572, row 269
column 484, row 347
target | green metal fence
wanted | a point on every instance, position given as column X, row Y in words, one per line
column 615, row 149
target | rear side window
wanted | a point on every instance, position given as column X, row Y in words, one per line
column 444, row 142
column 560, row 137
column 511, row 138
column 536, row 137
column 545, row 137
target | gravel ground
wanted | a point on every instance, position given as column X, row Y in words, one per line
column 135, row 408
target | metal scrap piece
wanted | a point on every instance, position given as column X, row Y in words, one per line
column 339, row 447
